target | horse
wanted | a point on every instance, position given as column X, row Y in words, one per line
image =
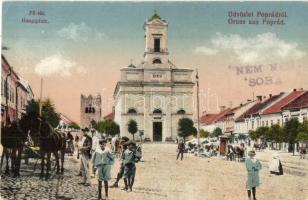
column 13, row 138
column 51, row 141
column 239, row 152
column 259, row 147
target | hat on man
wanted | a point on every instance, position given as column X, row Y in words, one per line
column 251, row 153
column 130, row 142
column 85, row 130
column 101, row 141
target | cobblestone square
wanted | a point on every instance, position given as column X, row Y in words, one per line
column 160, row 176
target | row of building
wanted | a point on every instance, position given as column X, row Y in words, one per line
column 15, row 93
column 265, row 111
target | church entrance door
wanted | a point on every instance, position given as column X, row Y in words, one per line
column 157, row 131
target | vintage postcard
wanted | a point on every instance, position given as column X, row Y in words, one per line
column 148, row 100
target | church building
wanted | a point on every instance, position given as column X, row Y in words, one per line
column 155, row 93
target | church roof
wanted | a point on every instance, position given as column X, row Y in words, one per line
column 156, row 16
column 131, row 66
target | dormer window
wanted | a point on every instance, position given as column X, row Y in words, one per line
column 156, row 61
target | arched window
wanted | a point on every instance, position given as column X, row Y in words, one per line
column 181, row 112
column 157, row 111
column 87, row 110
column 156, row 61
column 93, row 110
column 132, row 111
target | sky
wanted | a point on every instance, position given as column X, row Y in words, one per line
column 83, row 46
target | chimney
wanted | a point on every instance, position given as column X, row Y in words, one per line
column 270, row 95
column 222, row 108
column 294, row 90
column 259, row 98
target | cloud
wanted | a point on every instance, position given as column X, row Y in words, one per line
column 262, row 47
column 206, row 51
column 80, row 32
column 57, row 65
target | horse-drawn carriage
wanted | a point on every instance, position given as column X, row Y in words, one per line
column 15, row 142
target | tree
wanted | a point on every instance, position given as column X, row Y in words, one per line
column 100, row 126
column 186, row 128
column 112, row 128
column 108, row 127
column 262, row 133
column 217, row 132
column 275, row 133
column 302, row 135
column 291, row 129
column 253, row 135
column 73, row 125
column 132, row 127
column 204, row 134
column 48, row 111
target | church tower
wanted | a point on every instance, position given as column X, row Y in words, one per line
column 156, row 48
column 90, row 110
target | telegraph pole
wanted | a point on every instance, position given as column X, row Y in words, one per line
column 41, row 96
column 6, row 95
column 198, row 114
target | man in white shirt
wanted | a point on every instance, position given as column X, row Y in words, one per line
column 95, row 144
column 85, row 151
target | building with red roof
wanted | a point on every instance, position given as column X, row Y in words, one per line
column 110, row 116
column 251, row 119
column 227, row 122
column 208, row 121
column 298, row 108
column 273, row 114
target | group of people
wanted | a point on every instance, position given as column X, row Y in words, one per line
column 98, row 159
column 253, row 166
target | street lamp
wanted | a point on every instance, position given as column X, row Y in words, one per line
column 198, row 114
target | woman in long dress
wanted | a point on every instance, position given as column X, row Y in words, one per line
column 253, row 166
column 275, row 165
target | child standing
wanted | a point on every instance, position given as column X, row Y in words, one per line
column 103, row 160
column 253, row 166
column 129, row 160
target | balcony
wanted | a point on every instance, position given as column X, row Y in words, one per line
column 154, row 50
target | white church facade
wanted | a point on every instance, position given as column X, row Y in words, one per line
column 156, row 93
